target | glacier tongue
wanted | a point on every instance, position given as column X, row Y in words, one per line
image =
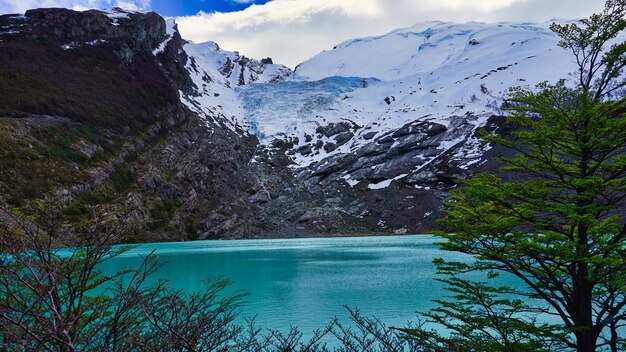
column 292, row 108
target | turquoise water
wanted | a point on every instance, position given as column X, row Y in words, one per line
column 307, row 282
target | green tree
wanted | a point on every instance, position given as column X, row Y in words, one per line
column 555, row 219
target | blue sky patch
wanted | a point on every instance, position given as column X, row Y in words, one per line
column 191, row 7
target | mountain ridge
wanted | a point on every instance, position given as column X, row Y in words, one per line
column 185, row 141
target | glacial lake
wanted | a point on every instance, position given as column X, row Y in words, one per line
column 307, row 282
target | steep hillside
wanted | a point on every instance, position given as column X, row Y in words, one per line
column 71, row 83
column 91, row 116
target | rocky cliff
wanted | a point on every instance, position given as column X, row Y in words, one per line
column 90, row 116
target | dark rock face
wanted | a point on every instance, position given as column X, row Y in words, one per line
column 173, row 60
column 395, row 183
column 85, row 66
column 329, row 147
column 333, row 129
column 369, row 135
column 133, row 32
column 305, row 149
column 243, row 70
column 343, row 138
column 147, row 159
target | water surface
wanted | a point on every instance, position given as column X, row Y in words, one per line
column 307, row 282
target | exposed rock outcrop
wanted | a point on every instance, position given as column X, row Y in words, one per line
column 132, row 32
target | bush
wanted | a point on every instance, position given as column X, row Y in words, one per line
column 161, row 212
column 123, row 179
column 59, row 300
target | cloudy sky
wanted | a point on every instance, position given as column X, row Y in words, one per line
column 290, row 31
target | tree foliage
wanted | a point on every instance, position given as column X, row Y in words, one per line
column 554, row 222
column 54, row 298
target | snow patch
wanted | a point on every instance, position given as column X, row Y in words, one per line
column 95, row 42
column 385, row 183
column 170, row 29
column 352, row 182
column 74, row 45
column 116, row 14
column 380, row 185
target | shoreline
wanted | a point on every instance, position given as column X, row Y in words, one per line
column 315, row 236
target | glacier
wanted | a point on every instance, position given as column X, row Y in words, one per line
column 449, row 76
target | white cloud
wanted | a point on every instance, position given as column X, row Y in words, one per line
column 290, row 31
column 19, row 6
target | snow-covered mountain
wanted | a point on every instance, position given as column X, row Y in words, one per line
column 383, row 108
column 368, row 137
column 377, row 130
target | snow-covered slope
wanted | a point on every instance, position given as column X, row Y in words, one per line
column 383, row 108
column 215, row 74
column 433, row 71
column 433, row 46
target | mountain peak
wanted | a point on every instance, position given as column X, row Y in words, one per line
column 425, row 47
